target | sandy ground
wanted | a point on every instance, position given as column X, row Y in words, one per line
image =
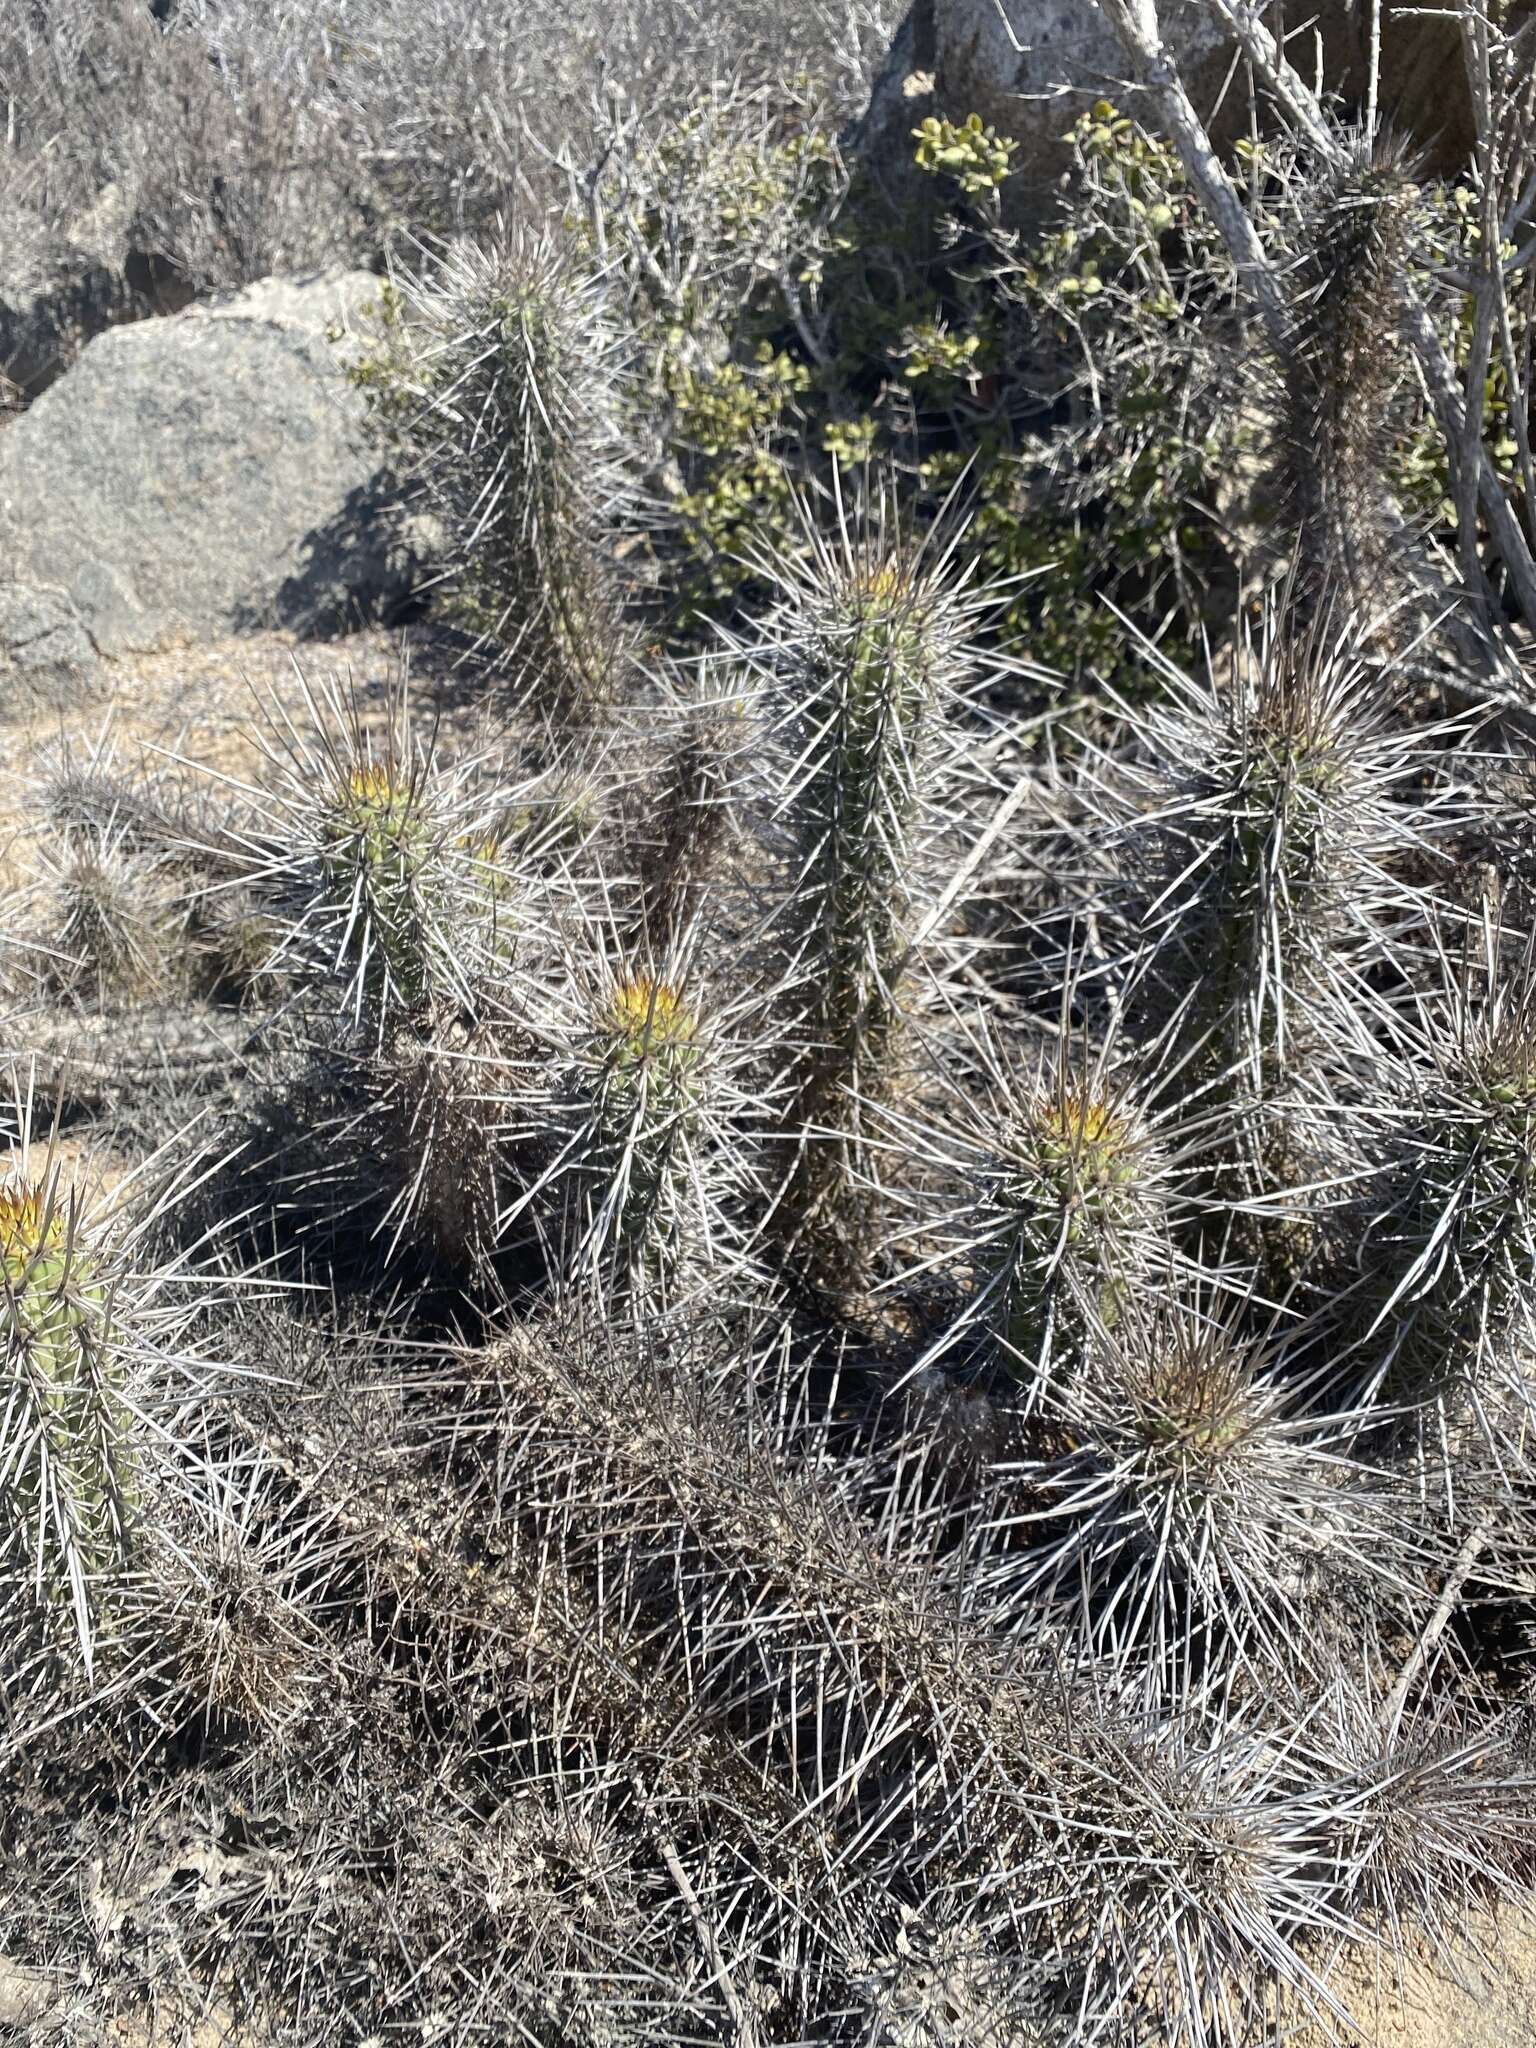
column 197, row 705
column 1485, row 1997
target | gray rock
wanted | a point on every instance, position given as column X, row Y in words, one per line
column 209, row 474
column 325, row 302
column 56, row 291
column 61, row 287
column 47, row 660
column 1030, row 67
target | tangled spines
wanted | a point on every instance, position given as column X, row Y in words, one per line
column 723, row 1321
column 1058, row 1644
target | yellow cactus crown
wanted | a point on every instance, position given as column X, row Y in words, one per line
column 370, row 781
column 378, row 805
column 31, row 1221
column 643, row 1008
column 1089, row 1121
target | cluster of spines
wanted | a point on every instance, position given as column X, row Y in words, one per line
column 861, row 657
column 1274, row 841
column 1070, row 1217
column 1446, row 1272
column 1342, row 366
column 627, row 1173
column 517, row 433
column 67, row 1459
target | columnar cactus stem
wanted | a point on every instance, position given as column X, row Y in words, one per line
column 1342, row 365
column 518, row 440
column 864, row 648
column 67, row 1484
column 1069, row 1220
column 639, row 1092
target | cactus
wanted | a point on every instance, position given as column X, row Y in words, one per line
column 396, row 1155
column 361, row 848
column 865, row 646
column 1342, row 367
column 433, row 1135
column 67, row 1465
column 517, row 446
column 1263, row 825
column 115, row 931
column 1200, row 1521
column 1273, row 841
column 97, row 920
column 629, row 1172
column 685, row 818
column 1430, row 1814
column 142, row 893
column 1448, row 1229
column 375, row 851
column 242, row 1590
column 1070, row 1218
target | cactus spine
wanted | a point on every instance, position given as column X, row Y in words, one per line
column 518, row 448
column 859, row 653
column 66, row 1462
column 1070, row 1217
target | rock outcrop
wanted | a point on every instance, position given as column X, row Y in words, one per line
column 1030, row 67
column 193, row 477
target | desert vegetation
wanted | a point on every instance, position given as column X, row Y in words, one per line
column 815, row 1314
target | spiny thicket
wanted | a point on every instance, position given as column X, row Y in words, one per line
column 813, row 1340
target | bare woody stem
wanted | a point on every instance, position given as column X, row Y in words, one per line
column 1136, row 24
